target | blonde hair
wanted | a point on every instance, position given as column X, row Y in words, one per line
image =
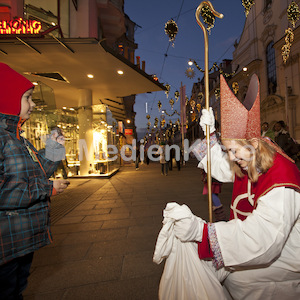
column 261, row 159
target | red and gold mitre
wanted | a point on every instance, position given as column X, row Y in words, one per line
column 240, row 120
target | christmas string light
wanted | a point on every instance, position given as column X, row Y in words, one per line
column 172, row 114
column 293, row 13
column 171, row 102
column 208, row 17
column 214, row 66
column 247, row 5
column 171, row 30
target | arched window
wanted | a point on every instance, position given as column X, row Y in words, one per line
column 268, row 4
column 271, row 68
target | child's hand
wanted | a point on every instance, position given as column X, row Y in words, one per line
column 60, row 185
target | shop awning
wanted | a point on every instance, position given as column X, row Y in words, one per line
column 64, row 64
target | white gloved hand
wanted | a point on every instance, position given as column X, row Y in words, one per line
column 207, row 118
column 189, row 229
column 57, row 135
column 55, row 149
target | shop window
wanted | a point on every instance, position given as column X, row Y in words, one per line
column 104, row 158
column 43, row 96
column 271, row 68
column 43, row 11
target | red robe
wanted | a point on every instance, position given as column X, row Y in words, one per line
column 282, row 173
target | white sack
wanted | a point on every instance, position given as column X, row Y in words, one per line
column 185, row 276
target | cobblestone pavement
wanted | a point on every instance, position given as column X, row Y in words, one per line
column 105, row 232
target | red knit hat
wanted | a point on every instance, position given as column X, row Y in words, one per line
column 12, row 87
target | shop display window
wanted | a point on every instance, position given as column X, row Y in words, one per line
column 105, row 140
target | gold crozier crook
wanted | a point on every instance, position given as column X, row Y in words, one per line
column 206, row 81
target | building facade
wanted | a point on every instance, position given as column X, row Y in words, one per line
column 259, row 51
column 80, row 56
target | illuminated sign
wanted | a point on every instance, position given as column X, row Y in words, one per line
column 128, row 132
column 20, row 26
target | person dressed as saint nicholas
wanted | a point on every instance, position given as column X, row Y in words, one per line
column 255, row 255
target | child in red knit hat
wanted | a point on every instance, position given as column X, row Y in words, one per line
column 25, row 188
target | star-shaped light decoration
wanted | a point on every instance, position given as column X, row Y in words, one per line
column 190, row 73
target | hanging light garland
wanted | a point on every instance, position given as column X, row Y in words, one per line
column 148, row 117
column 171, row 29
column 286, row 48
column 192, row 104
column 173, row 131
column 176, row 95
column 208, row 17
column 172, row 114
column 167, row 91
column 171, row 102
column 247, row 5
column 293, row 13
column 200, row 96
column 214, row 66
column 235, row 87
column 159, row 105
column 217, row 93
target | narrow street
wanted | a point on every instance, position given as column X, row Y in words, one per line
column 105, row 232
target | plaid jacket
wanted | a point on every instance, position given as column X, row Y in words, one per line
column 24, row 193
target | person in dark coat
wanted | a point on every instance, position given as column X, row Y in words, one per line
column 284, row 140
column 25, row 188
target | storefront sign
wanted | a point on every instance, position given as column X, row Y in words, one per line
column 120, row 127
column 128, row 132
column 20, row 26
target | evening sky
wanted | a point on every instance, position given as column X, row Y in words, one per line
column 170, row 63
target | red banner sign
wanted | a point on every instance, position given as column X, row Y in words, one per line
column 20, row 26
column 128, row 132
